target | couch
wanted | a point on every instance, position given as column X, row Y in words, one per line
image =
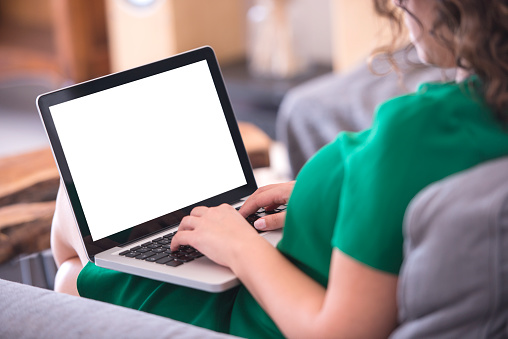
column 453, row 283
column 454, row 279
column 33, row 312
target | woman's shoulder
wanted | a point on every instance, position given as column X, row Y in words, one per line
column 442, row 94
column 435, row 103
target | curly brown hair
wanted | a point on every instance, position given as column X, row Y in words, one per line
column 479, row 41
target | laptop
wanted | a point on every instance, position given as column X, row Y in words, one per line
column 137, row 150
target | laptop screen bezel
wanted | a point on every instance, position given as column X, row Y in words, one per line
column 45, row 101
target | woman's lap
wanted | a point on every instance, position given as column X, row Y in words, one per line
column 204, row 309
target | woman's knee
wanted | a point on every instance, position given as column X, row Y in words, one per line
column 67, row 276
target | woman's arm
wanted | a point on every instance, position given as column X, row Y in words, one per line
column 359, row 301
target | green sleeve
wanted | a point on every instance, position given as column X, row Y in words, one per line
column 415, row 140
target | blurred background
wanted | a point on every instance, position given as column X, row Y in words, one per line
column 265, row 48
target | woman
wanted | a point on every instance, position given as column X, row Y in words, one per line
column 334, row 273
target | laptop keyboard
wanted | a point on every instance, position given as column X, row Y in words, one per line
column 159, row 250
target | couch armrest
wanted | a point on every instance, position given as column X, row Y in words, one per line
column 31, row 312
column 453, row 283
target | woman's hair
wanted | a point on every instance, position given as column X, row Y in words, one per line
column 479, row 41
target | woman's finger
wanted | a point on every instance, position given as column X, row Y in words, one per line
column 272, row 200
column 181, row 238
column 270, row 195
column 271, row 222
column 198, row 211
column 188, row 223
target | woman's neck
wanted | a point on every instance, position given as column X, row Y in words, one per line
column 462, row 74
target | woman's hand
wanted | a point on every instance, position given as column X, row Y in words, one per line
column 221, row 232
column 217, row 232
column 269, row 197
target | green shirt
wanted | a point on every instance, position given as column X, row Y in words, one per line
column 351, row 195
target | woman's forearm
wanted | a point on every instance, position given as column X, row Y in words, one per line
column 291, row 298
column 359, row 301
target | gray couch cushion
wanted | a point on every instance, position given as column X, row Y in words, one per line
column 454, row 280
column 31, row 312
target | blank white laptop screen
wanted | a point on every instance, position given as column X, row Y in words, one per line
column 147, row 148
